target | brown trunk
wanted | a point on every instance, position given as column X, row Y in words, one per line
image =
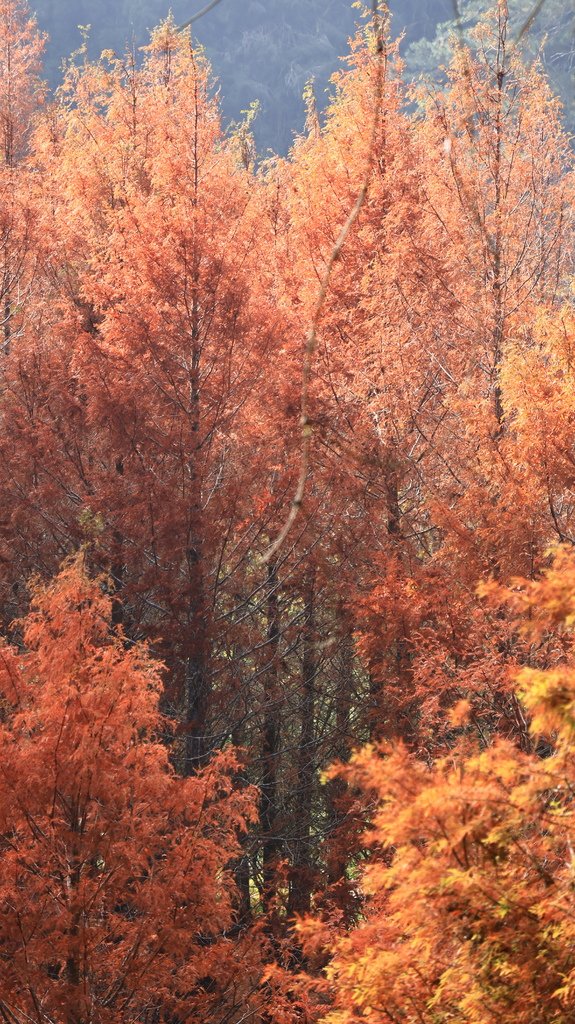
column 196, row 642
column 196, row 684
column 301, row 874
column 118, row 567
column 391, row 482
column 7, row 328
column 73, row 971
column 337, row 853
column 496, row 244
column 242, row 867
column 390, row 716
column 270, row 741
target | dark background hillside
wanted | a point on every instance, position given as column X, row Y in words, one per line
column 267, row 49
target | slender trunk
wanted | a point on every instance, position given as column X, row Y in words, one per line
column 391, row 483
column 242, row 867
column 197, row 694
column 73, row 971
column 6, row 325
column 118, row 567
column 301, row 874
column 336, row 789
column 497, row 244
column 196, row 682
column 270, row 741
column 391, row 715
column 242, row 879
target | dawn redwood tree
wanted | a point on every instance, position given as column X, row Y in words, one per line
column 152, row 404
column 538, row 387
column 21, row 46
column 444, row 299
column 115, row 880
column 499, row 183
column 142, row 377
column 147, row 408
column 495, row 184
column 468, row 891
column 372, row 372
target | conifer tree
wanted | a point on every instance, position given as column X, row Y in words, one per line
column 115, row 881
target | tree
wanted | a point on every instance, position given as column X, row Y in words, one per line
column 21, row 46
column 152, row 408
column 537, row 28
column 115, row 880
column 469, row 895
column 160, row 331
column 495, row 236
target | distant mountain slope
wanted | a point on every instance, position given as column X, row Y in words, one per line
column 267, row 49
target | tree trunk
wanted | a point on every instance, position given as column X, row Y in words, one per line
column 301, row 874
column 270, row 742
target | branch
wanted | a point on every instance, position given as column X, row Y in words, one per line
column 529, row 21
column 205, row 10
column 311, row 340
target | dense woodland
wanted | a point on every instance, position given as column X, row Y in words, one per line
column 287, row 579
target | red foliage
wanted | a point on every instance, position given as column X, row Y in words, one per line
column 115, row 886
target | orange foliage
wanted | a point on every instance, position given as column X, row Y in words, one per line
column 469, row 892
column 116, row 890
column 156, row 291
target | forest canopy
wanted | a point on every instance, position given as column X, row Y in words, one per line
column 287, row 567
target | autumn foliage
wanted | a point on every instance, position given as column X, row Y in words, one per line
column 116, row 890
column 468, row 910
column 365, row 349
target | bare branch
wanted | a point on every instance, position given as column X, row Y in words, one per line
column 529, row 21
column 311, row 341
column 196, row 17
